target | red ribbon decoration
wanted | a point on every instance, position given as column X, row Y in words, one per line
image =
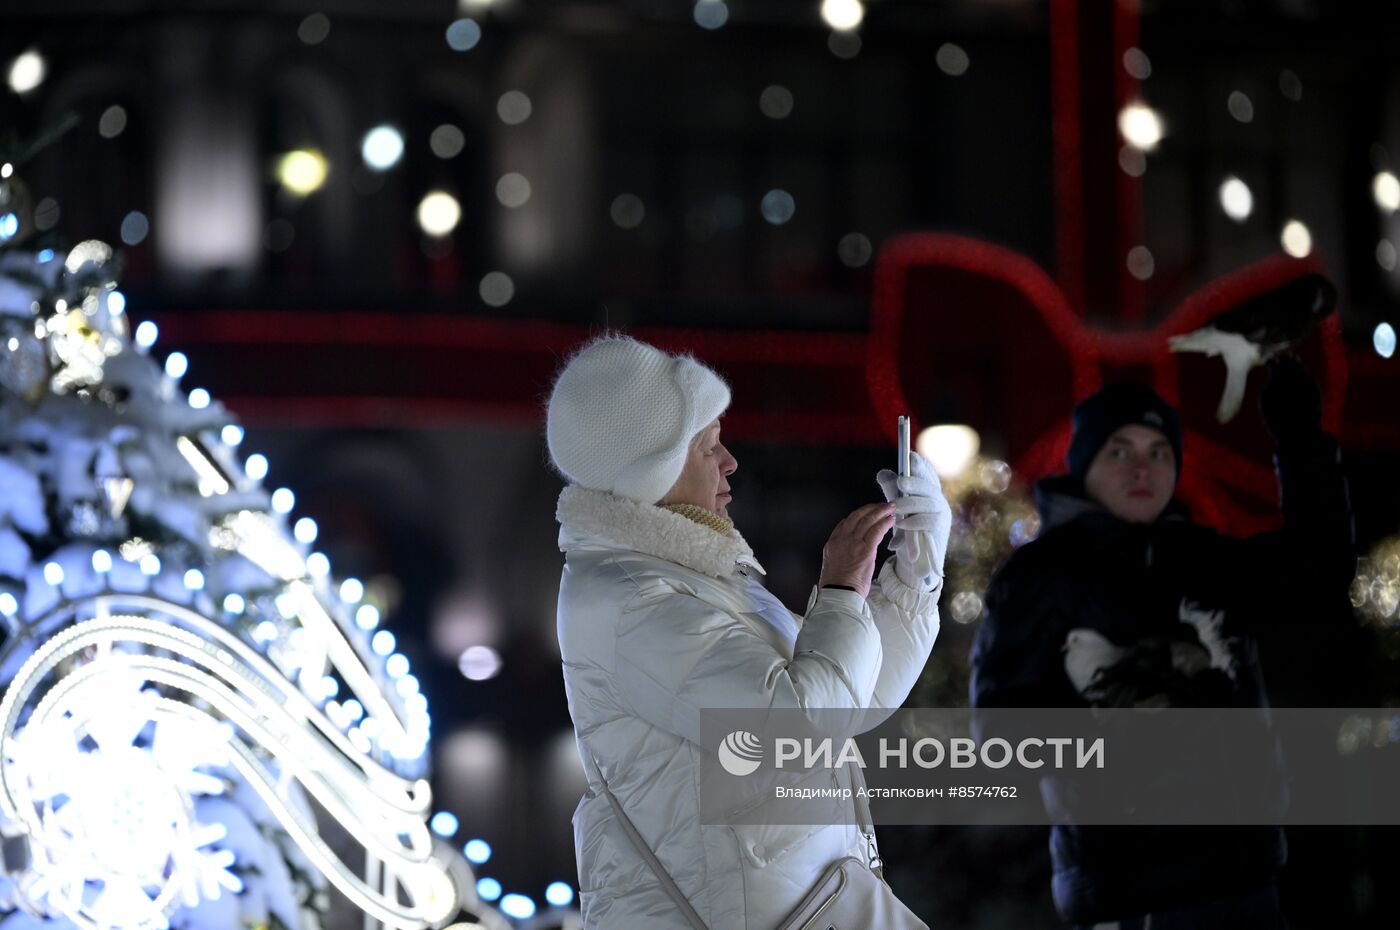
column 975, row 331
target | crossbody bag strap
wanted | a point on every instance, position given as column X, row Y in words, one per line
column 865, row 822
column 668, row 884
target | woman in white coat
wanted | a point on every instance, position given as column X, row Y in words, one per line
column 662, row 615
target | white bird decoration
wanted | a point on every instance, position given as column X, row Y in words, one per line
column 1257, row 330
column 1239, row 355
column 1208, row 625
column 1088, row 653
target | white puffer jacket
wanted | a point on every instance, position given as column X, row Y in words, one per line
column 659, row 618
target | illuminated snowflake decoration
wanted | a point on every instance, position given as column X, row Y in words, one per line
column 112, row 780
column 210, row 653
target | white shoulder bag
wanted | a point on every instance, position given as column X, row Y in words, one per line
column 848, row 894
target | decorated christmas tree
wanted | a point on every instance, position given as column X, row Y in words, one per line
column 993, row 515
column 191, row 704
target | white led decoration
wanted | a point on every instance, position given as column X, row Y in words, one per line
column 168, row 689
column 119, row 817
column 279, row 732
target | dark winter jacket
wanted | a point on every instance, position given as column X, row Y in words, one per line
column 1128, row 583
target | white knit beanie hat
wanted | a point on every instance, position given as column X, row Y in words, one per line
column 622, row 415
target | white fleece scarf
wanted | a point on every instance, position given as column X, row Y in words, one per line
column 651, row 530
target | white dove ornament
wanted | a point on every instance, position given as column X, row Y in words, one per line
column 1239, row 355
column 1208, row 625
column 1087, row 654
column 1257, row 330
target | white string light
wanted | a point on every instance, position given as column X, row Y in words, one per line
column 380, row 809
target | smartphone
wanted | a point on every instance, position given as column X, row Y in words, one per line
column 903, row 446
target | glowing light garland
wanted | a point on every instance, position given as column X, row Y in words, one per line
column 247, row 691
column 133, row 700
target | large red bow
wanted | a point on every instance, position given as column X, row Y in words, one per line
column 962, row 328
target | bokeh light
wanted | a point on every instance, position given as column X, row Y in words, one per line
column 479, row 663
column 844, row 45
column 463, row 35
column 513, row 190
column 352, row 590
column 305, row 530
column 46, row 214
column 513, row 107
column 1236, row 199
column 1386, row 189
column 966, row 606
column 478, row 852
column 447, row 141
column 775, row 102
column 778, row 206
column 314, row 29
column 1141, row 263
column 1132, row 160
column 439, row 213
column 1240, row 106
column 711, row 14
column 854, row 250
column 1137, row 64
column 382, row 147
column 135, row 228
column 844, row 15
column 496, row 289
column 1296, row 239
column 444, row 823
column 146, row 334
column 302, row 171
column 27, row 71
column 367, row 616
column 112, row 122
column 952, row 60
column 396, row 666
column 1141, row 126
column 949, row 447
column 382, row 643
column 627, row 211
column 256, row 466
column 1385, row 254
column 283, row 500
column 1383, row 339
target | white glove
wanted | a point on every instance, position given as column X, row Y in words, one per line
column 921, row 524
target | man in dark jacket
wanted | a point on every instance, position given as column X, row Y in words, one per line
column 1123, row 601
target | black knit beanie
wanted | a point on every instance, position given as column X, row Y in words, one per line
column 1100, row 415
